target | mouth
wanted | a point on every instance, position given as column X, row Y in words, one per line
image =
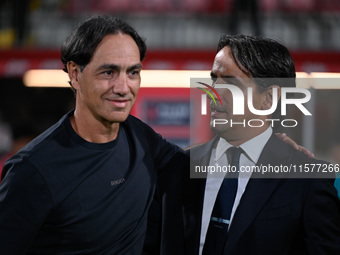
column 216, row 112
column 119, row 103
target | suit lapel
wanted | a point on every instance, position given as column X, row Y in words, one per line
column 258, row 191
column 193, row 197
column 201, row 154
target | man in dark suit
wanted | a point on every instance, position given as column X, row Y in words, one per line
column 277, row 212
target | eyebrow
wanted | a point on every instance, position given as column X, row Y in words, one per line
column 236, row 80
column 212, row 74
column 136, row 66
column 117, row 67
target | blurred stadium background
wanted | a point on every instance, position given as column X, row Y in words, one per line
column 180, row 35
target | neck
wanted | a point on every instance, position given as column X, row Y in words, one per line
column 93, row 130
column 242, row 136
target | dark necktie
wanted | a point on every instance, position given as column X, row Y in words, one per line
column 220, row 217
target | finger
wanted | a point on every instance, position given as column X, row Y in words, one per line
column 291, row 142
column 305, row 151
column 281, row 135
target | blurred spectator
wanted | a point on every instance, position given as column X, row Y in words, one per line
column 335, row 148
column 5, row 138
column 335, row 152
column 249, row 7
column 15, row 33
column 21, row 136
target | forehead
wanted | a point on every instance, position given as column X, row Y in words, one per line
column 225, row 65
column 116, row 47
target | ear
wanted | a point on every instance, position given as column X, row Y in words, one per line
column 73, row 72
column 269, row 94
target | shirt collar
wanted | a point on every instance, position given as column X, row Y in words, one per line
column 252, row 148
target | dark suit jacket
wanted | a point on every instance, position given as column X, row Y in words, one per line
column 275, row 215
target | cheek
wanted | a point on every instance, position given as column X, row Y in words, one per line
column 227, row 100
column 134, row 88
column 256, row 100
column 92, row 93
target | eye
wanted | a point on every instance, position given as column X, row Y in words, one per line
column 134, row 73
column 108, row 72
column 227, row 81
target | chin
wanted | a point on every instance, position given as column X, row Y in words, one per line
column 118, row 117
column 219, row 129
column 121, row 119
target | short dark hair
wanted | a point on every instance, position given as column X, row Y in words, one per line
column 264, row 59
column 85, row 38
column 259, row 57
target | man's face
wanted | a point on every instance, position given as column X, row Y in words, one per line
column 108, row 86
column 225, row 71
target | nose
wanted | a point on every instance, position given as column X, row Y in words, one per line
column 120, row 85
column 214, row 102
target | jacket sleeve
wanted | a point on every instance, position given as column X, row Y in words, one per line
column 152, row 243
column 24, row 204
column 161, row 149
column 165, row 229
column 322, row 218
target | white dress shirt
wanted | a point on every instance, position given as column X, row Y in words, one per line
column 252, row 150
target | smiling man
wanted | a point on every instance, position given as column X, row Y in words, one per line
column 106, row 89
column 84, row 186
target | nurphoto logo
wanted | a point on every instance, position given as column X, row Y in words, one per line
column 239, row 103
